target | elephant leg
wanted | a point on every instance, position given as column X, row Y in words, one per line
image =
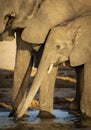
column 22, row 69
column 75, row 105
column 47, row 94
column 86, row 95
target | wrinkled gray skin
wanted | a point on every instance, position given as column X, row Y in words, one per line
column 48, row 15
column 62, row 44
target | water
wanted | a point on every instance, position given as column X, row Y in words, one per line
column 63, row 121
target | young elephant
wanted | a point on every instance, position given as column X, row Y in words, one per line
column 61, row 44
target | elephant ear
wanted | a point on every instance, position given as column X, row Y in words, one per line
column 81, row 52
column 79, row 55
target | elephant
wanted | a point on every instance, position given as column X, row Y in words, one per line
column 24, row 50
column 43, row 25
column 70, row 41
column 17, row 11
column 29, row 16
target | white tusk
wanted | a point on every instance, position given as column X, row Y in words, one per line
column 50, row 68
column 33, row 72
column 13, row 14
column 64, row 64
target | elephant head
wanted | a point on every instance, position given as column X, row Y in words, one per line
column 19, row 10
column 6, row 11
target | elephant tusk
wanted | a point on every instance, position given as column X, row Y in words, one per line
column 64, row 64
column 33, row 72
column 50, row 68
column 13, row 14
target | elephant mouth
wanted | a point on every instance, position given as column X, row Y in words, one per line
column 57, row 63
column 9, row 21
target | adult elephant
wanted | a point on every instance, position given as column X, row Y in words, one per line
column 17, row 11
column 69, row 41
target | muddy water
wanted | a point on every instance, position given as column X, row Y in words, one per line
column 63, row 121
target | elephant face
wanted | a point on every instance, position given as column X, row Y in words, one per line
column 60, row 52
column 58, row 46
column 21, row 10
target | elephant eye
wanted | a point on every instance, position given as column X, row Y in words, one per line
column 58, row 46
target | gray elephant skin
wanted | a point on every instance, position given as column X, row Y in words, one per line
column 64, row 41
column 50, row 22
column 35, row 28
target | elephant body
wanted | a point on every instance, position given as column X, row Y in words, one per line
column 62, row 41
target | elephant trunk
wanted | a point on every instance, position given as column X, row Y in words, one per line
column 42, row 69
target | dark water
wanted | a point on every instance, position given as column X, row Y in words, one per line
column 63, row 121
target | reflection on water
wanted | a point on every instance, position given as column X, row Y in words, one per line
column 63, row 121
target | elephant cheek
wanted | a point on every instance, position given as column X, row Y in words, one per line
column 79, row 56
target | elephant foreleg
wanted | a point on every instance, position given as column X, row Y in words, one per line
column 22, row 69
column 75, row 105
column 86, row 95
column 47, row 94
